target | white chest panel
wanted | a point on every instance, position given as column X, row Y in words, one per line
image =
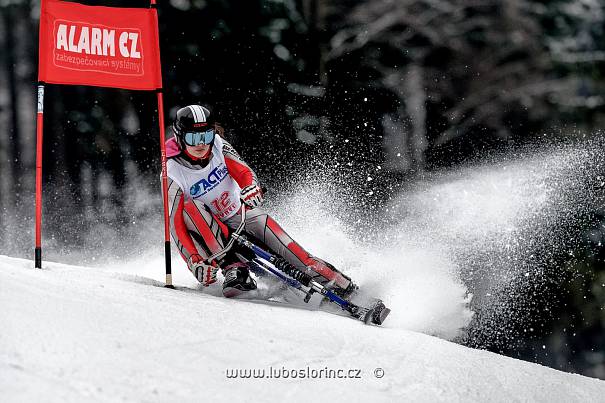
column 211, row 185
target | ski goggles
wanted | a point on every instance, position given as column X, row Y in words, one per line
column 196, row 138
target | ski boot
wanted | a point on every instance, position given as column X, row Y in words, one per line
column 346, row 293
column 237, row 280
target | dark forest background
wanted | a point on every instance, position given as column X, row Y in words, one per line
column 416, row 86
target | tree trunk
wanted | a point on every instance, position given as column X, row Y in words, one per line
column 9, row 15
column 415, row 101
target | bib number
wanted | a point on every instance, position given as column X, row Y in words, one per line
column 222, row 202
column 223, row 205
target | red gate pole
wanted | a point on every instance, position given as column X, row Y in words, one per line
column 153, row 5
column 39, row 131
column 165, row 190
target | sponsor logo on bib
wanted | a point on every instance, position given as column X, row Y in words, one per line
column 207, row 184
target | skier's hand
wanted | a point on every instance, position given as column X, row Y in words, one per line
column 204, row 273
column 252, row 196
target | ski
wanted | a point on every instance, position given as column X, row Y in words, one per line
column 376, row 313
column 264, row 261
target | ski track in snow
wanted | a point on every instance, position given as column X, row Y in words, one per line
column 74, row 334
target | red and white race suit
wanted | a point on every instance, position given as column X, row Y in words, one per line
column 204, row 202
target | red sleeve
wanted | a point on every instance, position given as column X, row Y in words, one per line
column 237, row 168
column 241, row 172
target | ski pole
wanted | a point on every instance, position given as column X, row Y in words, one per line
column 292, row 271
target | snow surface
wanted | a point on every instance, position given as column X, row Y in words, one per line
column 74, row 334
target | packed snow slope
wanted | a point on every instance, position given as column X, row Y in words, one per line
column 75, row 334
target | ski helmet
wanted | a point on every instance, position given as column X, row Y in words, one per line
column 193, row 126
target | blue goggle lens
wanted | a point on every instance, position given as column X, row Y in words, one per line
column 197, row 138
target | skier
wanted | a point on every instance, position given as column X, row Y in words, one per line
column 207, row 182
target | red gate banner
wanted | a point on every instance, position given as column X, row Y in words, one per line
column 99, row 46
